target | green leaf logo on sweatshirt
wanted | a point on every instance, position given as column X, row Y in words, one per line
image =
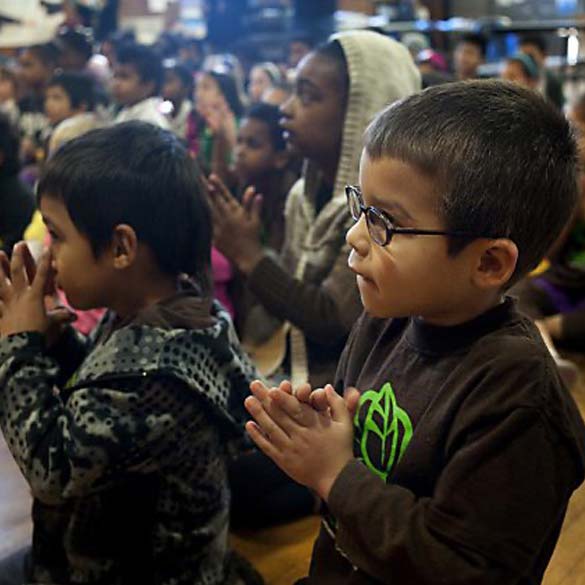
column 383, row 430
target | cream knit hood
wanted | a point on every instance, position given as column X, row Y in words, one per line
column 381, row 71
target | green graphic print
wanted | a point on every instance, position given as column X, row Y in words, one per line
column 382, row 431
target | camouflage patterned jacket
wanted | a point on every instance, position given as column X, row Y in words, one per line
column 127, row 460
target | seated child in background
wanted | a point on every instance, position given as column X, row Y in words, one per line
column 211, row 137
column 8, row 94
column 126, row 461
column 263, row 76
column 455, row 459
column 138, row 77
column 523, row 70
column 213, row 125
column 469, row 56
column 555, row 295
column 261, row 165
column 69, row 103
column 576, row 114
column 16, row 199
column 277, row 94
column 75, row 48
column 178, row 89
column 261, row 160
column 550, row 85
column 36, row 67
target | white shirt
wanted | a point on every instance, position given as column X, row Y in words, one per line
column 147, row 110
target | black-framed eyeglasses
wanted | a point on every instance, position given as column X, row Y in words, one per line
column 381, row 226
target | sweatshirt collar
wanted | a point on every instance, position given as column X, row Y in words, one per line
column 439, row 339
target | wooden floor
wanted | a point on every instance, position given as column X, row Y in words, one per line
column 282, row 554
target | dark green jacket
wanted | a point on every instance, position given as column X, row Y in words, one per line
column 127, row 460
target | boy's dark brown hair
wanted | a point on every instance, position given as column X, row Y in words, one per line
column 503, row 158
column 138, row 174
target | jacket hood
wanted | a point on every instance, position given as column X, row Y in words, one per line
column 207, row 360
column 381, row 71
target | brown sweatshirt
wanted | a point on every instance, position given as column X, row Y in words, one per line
column 468, row 448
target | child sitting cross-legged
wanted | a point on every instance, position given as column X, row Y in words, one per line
column 123, row 438
column 448, row 448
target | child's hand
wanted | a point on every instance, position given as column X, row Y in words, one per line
column 24, row 289
column 22, row 292
column 310, row 446
column 236, row 226
column 318, row 398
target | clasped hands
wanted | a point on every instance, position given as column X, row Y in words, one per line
column 236, row 226
column 307, row 433
column 28, row 300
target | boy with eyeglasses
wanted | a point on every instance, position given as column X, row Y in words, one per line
column 455, row 458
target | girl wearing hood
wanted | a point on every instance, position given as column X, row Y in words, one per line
column 308, row 296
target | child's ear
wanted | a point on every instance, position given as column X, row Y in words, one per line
column 124, row 246
column 497, row 263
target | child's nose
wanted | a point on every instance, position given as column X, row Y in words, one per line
column 285, row 107
column 358, row 238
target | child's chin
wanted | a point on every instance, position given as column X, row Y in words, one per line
column 378, row 312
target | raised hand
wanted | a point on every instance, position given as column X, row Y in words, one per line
column 236, row 226
column 310, row 446
column 27, row 294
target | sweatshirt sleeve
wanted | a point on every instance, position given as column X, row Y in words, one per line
column 502, row 494
column 325, row 313
column 71, row 446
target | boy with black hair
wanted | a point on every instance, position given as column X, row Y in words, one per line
column 178, row 89
column 455, row 459
column 299, row 46
column 69, row 104
column 123, row 439
column 75, row 48
column 138, row 78
column 550, row 85
column 469, row 54
column 16, row 199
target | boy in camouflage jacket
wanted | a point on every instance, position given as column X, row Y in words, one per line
column 124, row 438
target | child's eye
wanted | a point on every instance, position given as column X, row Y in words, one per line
column 53, row 235
column 390, row 218
column 306, row 98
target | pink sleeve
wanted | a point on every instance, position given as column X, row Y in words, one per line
column 222, row 274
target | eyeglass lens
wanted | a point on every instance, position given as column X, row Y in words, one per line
column 376, row 225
